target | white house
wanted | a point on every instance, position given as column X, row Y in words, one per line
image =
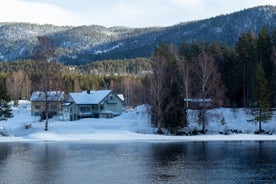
column 96, row 104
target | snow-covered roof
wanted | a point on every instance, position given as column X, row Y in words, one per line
column 52, row 96
column 91, row 97
column 121, row 96
column 66, row 104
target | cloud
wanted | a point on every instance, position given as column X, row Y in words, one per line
column 202, row 9
column 133, row 13
column 41, row 13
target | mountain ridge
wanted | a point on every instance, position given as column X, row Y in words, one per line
column 83, row 44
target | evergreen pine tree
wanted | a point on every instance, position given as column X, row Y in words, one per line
column 264, row 48
column 166, row 100
column 273, row 77
column 231, row 74
column 5, row 110
column 247, row 54
column 273, row 37
column 261, row 97
column 3, row 91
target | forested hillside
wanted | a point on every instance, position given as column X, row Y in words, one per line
column 83, row 44
column 237, row 67
column 19, row 40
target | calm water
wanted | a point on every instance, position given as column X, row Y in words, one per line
column 141, row 163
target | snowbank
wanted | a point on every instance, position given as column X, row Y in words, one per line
column 229, row 121
column 132, row 125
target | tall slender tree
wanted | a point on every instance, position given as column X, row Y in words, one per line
column 264, row 49
column 166, row 99
column 261, row 97
column 207, row 84
column 158, row 90
column 273, row 76
column 231, row 75
column 45, row 54
column 247, row 55
column 184, row 71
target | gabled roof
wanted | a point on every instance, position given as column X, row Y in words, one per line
column 121, row 96
column 52, row 96
column 92, row 97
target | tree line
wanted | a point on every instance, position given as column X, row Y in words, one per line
column 20, row 78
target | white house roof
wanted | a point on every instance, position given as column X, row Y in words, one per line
column 52, row 96
column 93, row 97
column 121, row 96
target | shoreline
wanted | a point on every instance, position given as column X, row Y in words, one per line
column 133, row 137
column 131, row 126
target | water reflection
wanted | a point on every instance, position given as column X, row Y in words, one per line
column 48, row 160
column 165, row 157
column 4, row 152
column 193, row 162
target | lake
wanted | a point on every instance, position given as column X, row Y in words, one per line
column 138, row 162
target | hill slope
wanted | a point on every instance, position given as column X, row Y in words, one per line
column 79, row 45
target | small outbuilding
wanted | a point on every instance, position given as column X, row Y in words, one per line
column 198, row 103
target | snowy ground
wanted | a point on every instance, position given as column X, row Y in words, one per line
column 132, row 125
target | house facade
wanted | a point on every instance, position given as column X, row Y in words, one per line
column 54, row 100
column 91, row 104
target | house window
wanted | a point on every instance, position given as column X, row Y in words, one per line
column 84, row 109
column 111, row 97
column 101, row 107
column 65, row 109
column 37, row 106
column 54, row 107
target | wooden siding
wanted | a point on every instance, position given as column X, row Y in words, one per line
column 38, row 107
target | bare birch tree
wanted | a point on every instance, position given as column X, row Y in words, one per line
column 184, row 70
column 18, row 85
column 207, row 83
column 158, row 89
column 45, row 54
column 165, row 95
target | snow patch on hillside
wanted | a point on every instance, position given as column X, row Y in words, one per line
column 109, row 49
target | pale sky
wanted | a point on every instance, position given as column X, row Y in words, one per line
column 130, row 13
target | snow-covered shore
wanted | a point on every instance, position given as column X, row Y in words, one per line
column 132, row 125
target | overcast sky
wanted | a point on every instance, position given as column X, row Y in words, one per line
column 131, row 13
